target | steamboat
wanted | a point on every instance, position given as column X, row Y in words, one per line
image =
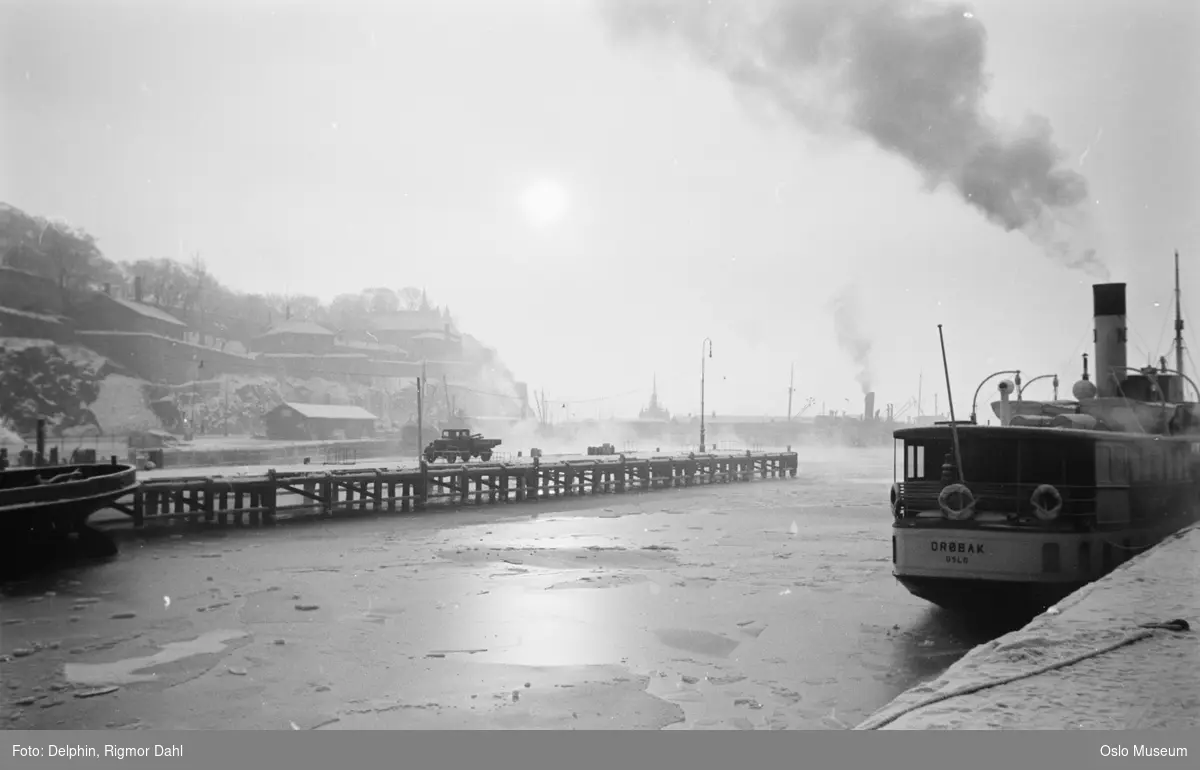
column 1011, row 518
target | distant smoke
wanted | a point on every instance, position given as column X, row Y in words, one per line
column 850, row 337
column 907, row 74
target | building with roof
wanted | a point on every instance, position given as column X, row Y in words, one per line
column 303, row 337
column 291, row 421
column 423, row 333
column 30, row 291
column 107, row 312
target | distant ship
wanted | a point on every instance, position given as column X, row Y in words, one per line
column 1017, row 516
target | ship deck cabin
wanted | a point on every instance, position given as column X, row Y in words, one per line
column 1094, row 472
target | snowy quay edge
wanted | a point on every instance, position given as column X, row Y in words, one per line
column 262, row 500
column 1118, row 654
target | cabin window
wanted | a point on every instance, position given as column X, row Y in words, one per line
column 1011, row 460
column 991, row 460
column 915, row 465
column 923, row 461
column 1048, row 462
column 1120, row 466
column 1112, row 465
column 1158, row 465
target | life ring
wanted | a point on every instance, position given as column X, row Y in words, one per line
column 1047, row 502
column 895, row 498
column 963, row 496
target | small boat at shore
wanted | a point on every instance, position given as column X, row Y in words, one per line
column 52, row 502
column 1016, row 516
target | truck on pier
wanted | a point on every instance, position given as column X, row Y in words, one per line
column 461, row 443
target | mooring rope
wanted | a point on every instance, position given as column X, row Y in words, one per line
column 1145, row 633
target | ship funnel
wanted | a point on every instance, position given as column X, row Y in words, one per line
column 1007, row 388
column 869, row 407
column 1108, row 305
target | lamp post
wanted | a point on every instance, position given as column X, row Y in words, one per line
column 1021, row 392
column 705, row 345
column 975, row 399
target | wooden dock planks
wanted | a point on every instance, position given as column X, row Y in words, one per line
column 263, row 500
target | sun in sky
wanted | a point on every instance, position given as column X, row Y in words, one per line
column 545, row 202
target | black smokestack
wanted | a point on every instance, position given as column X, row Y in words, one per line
column 909, row 75
column 1108, row 310
column 850, row 336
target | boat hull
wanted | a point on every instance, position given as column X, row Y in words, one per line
column 29, row 508
column 975, row 571
column 973, row 596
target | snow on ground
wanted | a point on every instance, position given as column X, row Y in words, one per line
column 766, row 605
column 74, row 353
column 121, row 406
column 1149, row 684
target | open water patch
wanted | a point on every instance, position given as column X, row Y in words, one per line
column 134, row 670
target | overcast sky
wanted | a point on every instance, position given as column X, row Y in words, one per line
column 594, row 205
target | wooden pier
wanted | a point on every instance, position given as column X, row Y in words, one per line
column 256, row 501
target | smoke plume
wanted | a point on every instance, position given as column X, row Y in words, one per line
column 907, row 74
column 850, row 336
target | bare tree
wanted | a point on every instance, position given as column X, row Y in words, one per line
column 409, row 298
column 165, row 282
column 381, row 300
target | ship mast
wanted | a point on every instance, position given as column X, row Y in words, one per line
column 791, row 390
column 1178, row 320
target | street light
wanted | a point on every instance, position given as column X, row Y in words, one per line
column 1021, row 392
column 706, row 343
column 975, row 399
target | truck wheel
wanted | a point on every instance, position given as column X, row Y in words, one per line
column 466, row 457
column 430, row 457
column 485, row 456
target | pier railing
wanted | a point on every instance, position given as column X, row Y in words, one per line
column 263, row 500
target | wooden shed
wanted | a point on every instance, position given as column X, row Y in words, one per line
column 314, row 422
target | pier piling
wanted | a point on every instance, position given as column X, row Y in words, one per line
column 275, row 496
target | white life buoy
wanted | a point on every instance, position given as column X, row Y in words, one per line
column 957, row 502
column 1047, row 502
column 895, row 498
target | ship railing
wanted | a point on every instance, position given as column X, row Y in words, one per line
column 1006, row 498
